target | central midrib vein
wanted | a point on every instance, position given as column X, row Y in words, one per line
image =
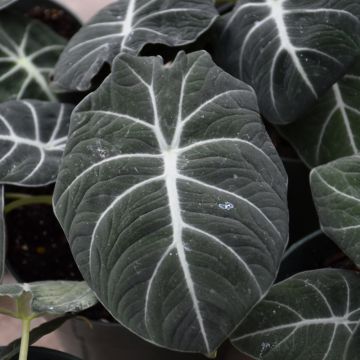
column 128, row 22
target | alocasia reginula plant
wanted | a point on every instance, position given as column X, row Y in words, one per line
column 170, row 192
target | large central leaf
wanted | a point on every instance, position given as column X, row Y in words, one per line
column 173, row 199
column 290, row 51
column 126, row 26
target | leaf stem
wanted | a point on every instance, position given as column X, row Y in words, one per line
column 11, row 195
column 25, row 337
column 28, row 200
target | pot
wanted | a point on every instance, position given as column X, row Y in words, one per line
column 38, row 353
column 26, row 6
column 110, row 341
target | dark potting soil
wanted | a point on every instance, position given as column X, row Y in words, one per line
column 59, row 20
column 37, row 247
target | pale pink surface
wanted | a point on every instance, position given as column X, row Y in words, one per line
column 85, row 8
column 10, row 329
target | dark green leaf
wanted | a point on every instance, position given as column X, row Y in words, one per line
column 331, row 129
column 28, row 53
column 173, row 199
column 336, row 192
column 310, row 316
column 33, row 135
column 125, row 27
column 290, row 51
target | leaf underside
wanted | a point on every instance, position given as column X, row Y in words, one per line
column 311, row 316
column 33, row 135
column 277, row 46
column 336, row 192
column 173, row 199
column 331, row 129
column 53, row 297
column 125, row 27
column 28, row 53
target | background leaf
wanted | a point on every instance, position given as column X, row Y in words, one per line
column 278, row 46
column 33, row 135
column 28, row 53
column 173, row 199
column 125, row 27
column 310, row 316
column 331, row 129
column 336, row 192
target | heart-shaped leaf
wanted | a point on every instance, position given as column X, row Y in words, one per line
column 2, row 235
column 310, row 316
column 125, row 27
column 331, row 129
column 336, row 191
column 6, row 3
column 290, row 51
column 28, row 53
column 51, row 297
column 33, row 135
column 168, row 176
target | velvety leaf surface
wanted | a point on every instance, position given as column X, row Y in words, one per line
column 28, row 53
column 352, row 346
column 125, row 27
column 290, row 51
column 331, row 129
column 173, row 199
column 33, row 135
column 53, row 297
column 336, row 191
column 310, row 316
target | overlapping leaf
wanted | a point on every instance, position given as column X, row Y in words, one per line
column 125, row 27
column 28, row 53
column 331, row 129
column 51, row 297
column 311, row 316
column 173, row 199
column 33, row 135
column 290, row 51
column 336, row 192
